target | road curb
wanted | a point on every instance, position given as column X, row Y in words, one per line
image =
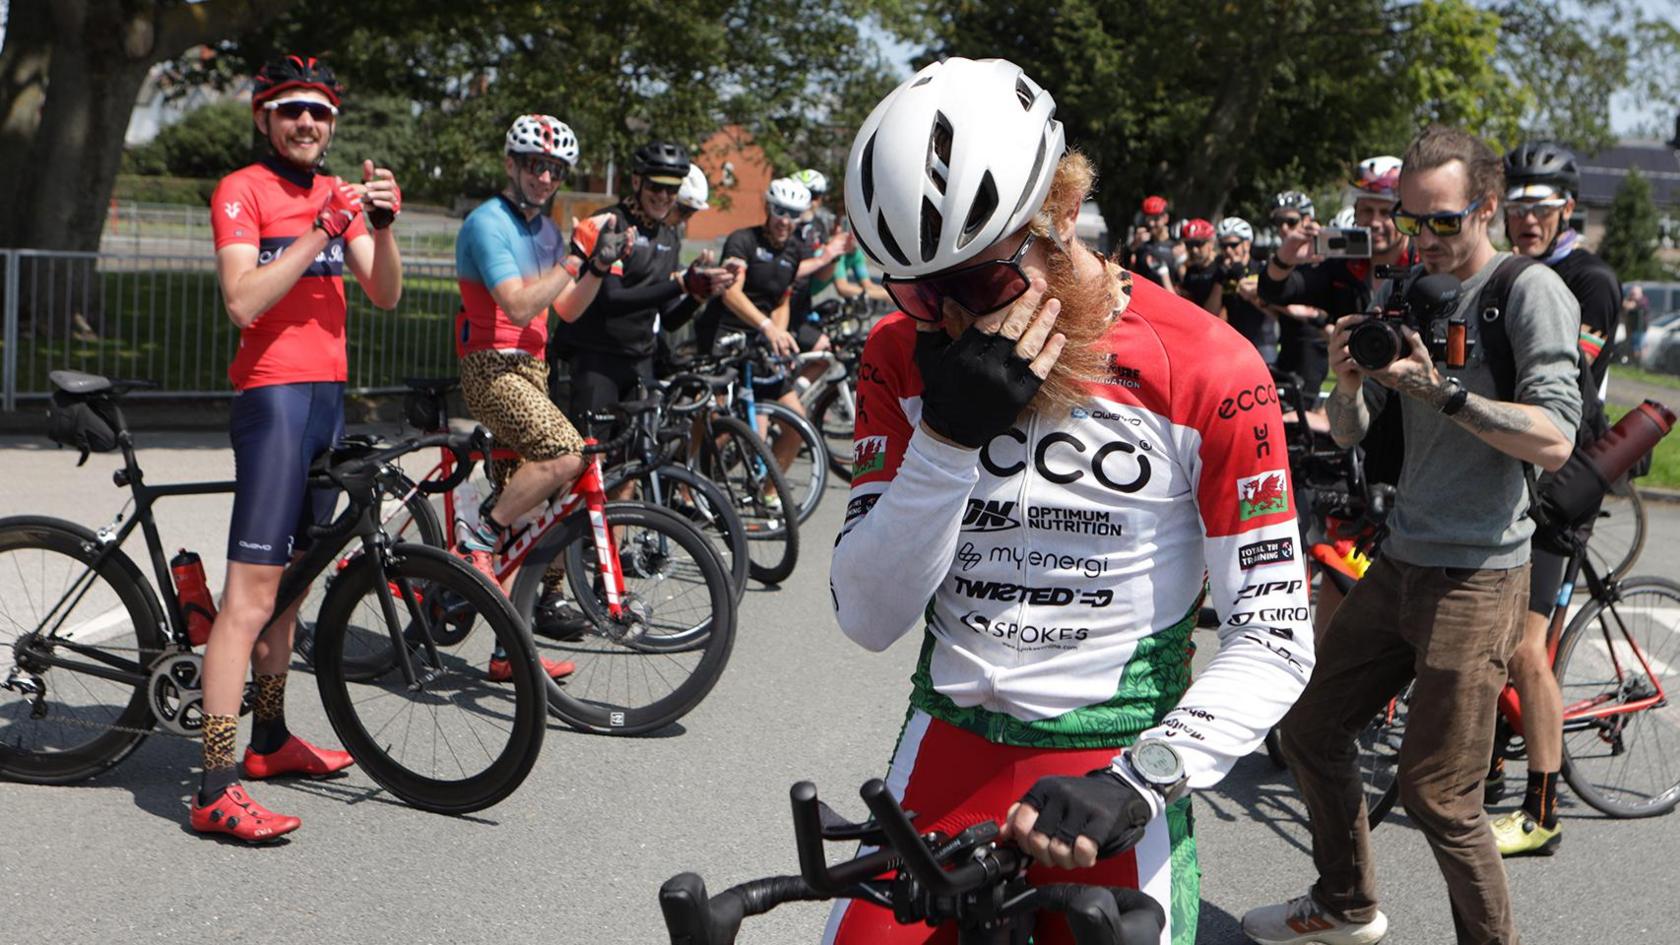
column 1658, row 494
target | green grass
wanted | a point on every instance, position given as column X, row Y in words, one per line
column 1665, row 460
column 1645, row 377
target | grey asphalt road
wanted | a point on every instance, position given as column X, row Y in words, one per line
column 577, row 854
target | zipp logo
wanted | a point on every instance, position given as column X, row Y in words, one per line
column 1267, row 589
column 1247, row 400
column 984, row 515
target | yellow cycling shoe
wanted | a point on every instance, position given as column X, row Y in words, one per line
column 1519, row 834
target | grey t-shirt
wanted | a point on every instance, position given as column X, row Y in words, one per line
column 1461, row 503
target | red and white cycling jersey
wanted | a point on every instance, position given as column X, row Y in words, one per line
column 1059, row 569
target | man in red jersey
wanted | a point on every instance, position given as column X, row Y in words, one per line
column 284, row 233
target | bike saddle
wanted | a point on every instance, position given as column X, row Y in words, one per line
column 436, row 386
column 83, row 384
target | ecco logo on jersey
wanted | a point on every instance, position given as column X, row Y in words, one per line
column 1061, row 457
column 1267, row 589
column 1247, row 400
column 1261, row 553
column 984, row 515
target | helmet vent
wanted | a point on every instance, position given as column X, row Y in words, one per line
column 939, row 151
column 924, row 80
column 932, row 226
column 1023, row 93
column 887, row 241
column 984, row 205
column 866, row 174
column 1027, row 191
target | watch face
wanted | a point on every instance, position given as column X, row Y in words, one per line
column 1157, row 762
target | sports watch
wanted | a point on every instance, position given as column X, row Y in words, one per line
column 1156, row 763
column 1455, row 400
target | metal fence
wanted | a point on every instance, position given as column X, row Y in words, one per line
column 160, row 317
column 136, row 228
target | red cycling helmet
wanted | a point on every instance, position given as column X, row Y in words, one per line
column 1154, row 206
column 294, row 72
column 1196, row 228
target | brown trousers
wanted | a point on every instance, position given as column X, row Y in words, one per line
column 1452, row 630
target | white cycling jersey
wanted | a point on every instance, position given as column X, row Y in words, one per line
column 1059, row 570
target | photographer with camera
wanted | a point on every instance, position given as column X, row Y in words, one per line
column 1153, row 257
column 1444, row 602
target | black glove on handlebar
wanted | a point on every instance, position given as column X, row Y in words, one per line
column 1101, row 805
column 973, row 388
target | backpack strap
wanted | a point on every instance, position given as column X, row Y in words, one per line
column 1490, row 309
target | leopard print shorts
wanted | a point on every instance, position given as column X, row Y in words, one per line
column 508, row 393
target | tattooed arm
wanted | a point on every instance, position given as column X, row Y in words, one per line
column 1349, row 417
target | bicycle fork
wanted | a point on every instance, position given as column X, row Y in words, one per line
column 606, row 558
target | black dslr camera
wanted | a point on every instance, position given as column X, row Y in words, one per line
column 1429, row 307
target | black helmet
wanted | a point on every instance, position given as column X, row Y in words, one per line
column 294, row 72
column 661, row 159
column 1543, row 162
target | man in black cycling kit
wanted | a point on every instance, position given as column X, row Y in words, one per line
column 610, row 347
column 761, row 300
column 1541, row 180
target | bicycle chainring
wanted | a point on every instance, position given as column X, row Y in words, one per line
column 175, row 693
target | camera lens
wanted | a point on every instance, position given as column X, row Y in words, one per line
column 1374, row 345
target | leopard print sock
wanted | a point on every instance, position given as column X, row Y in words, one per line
column 221, row 769
column 268, row 731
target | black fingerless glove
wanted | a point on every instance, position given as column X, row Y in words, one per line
column 1101, row 805
column 610, row 247
column 697, row 282
column 973, row 388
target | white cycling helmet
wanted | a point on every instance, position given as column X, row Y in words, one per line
column 1343, row 218
column 1234, row 226
column 958, row 157
column 789, row 194
column 1376, row 178
column 813, row 180
column 545, row 135
column 694, row 190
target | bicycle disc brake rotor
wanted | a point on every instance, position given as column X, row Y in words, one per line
column 175, row 693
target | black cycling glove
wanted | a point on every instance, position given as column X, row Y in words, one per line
column 973, row 388
column 1101, row 805
column 610, row 247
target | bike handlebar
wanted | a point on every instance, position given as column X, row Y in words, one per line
column 352, row 467
column 987, row 886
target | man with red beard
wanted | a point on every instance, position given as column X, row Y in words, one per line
column 1051, row 455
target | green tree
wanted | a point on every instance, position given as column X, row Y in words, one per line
column 207, row 142
column 1631, row 231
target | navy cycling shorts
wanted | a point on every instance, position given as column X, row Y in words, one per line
column 276, row 432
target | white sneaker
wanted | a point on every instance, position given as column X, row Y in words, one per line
column 1302, row 920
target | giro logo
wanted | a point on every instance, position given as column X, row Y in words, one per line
column 1275, row 551
column 1243, row 618
column 1061, row 457
column 1267, row 589
column 984, row 515
column 1247, row 400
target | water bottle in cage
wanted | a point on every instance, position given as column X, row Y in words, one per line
column 193, row 592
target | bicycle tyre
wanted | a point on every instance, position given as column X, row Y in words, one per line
column 712, row 513
column 733, row 457
column 443, row 581
column 604, row 656
column 837, row 429
column 808, row 472
column 128, row 725
column 1653, row 733
column 1618, row 537
column 1379, row 757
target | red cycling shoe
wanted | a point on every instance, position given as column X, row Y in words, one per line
column 296, row 756
column 502, row 670
column 235, row 814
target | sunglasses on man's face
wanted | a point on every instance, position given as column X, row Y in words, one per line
column 663, row 188
column 536, row 164
column 293, row 110
column 1287, row 222
column 1445, row 223
column 980, row 288
column 1233, row 244
column 783, row 212
column 1539, row 209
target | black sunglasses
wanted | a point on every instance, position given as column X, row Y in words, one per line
column 1287, row 221
column 980, row 288
column 536, row 164
column 292, row 111
column 1232, row 244
column 662, row 188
